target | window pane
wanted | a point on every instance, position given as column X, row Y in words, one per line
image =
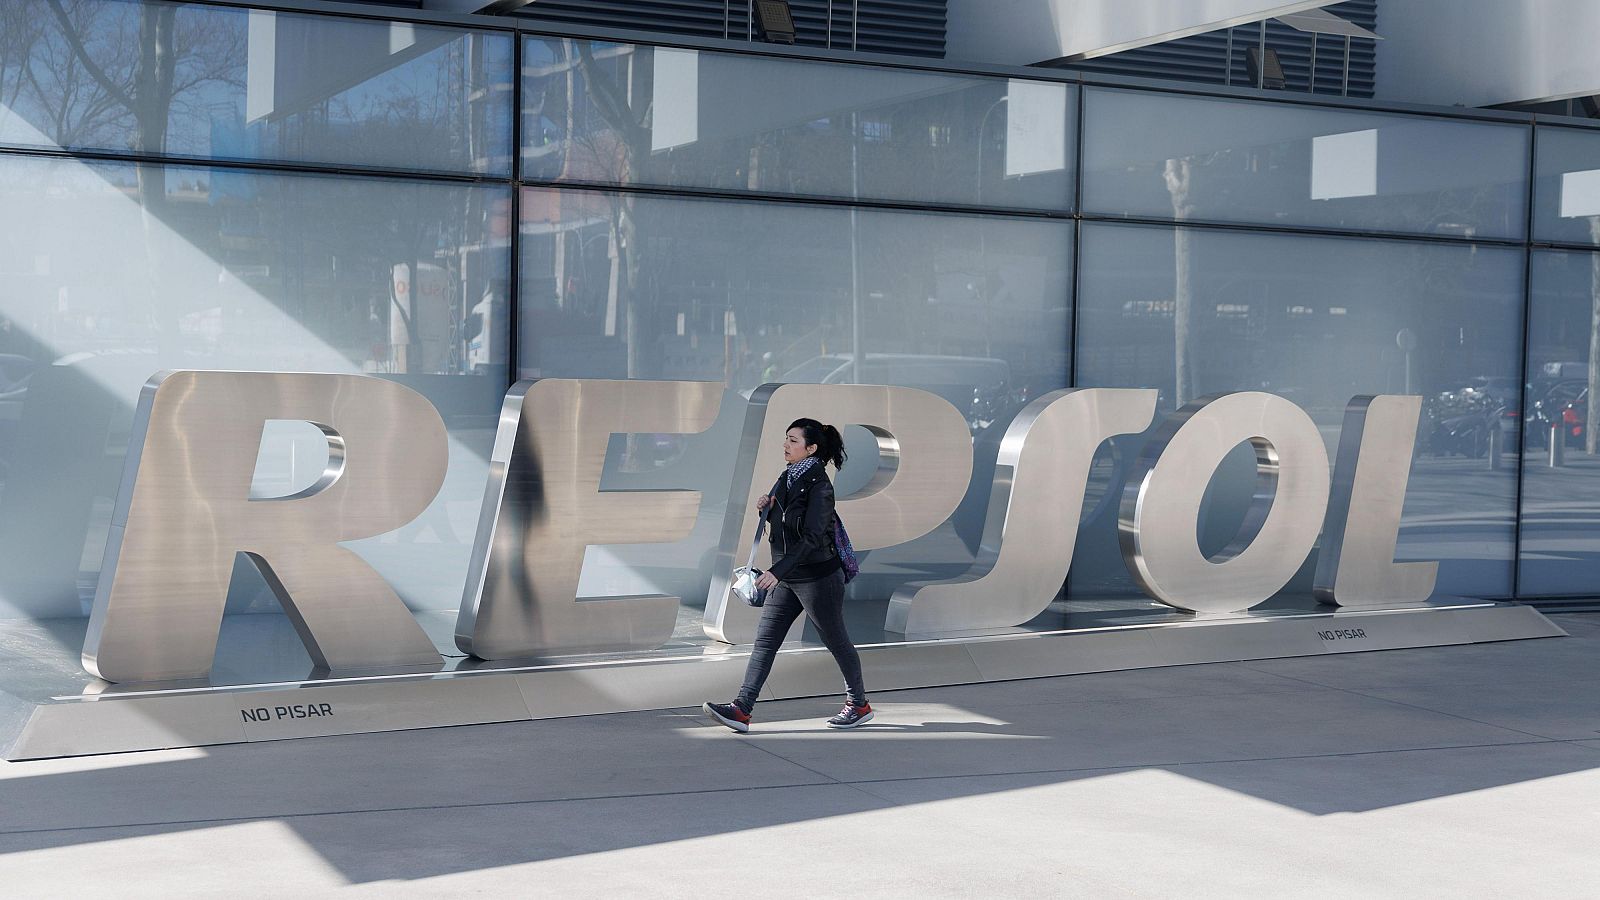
column 254, row 84
column 1168, row 156
column 1317, row 320
column 1561, row 490
column 625, row 114
column 972, row 308
column 110, row 272
column 1566, row 199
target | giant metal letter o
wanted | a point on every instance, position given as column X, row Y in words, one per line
column 1161, row 502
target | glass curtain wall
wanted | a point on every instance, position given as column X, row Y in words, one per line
column 196, row 186
column 1267, row 303
column 790, row 229
column 1318, row 320
column 626, row 114
column 220, row 83
column 1561, row 473
column 130, row 243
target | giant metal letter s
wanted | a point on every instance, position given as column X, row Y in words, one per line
column 1032, row 524
column 185, row 511
column 924, row 465
column 543, row 508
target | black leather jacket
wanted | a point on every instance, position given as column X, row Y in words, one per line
column 800, row 524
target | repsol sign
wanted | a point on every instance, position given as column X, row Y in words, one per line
column 185, row 511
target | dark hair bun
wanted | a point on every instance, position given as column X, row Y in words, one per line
column 826, row 438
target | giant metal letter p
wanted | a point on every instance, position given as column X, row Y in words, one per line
column 185, row 511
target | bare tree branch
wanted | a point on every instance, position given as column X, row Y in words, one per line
column 70, row 32
column 609, row 98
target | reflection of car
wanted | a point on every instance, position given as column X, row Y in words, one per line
column 1464, row 420
column 1502, row 391
column 978, row 386
column 1564, row 403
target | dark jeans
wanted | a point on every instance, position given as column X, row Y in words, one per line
column 823, row 601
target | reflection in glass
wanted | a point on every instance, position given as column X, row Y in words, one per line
column 220, row 83
column 1317, row 320
column 231, row 270
column 1170, row 156
column 972, row 308
column 1561, row 471
column 621, row 114
column 1566, row 186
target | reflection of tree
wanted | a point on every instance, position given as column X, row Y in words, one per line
column 610, row 100
column 84, row 92
column 95, row 69
column 1249, row 176
column 1178, row 176
column 18, row 33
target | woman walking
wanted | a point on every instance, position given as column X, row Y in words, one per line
column 806, row 574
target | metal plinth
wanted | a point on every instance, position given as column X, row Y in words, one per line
column 84, row 724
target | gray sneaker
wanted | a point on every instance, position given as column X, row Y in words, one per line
column 728, row 714
column 851, row 716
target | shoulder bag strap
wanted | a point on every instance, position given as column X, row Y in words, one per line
column 755, row 545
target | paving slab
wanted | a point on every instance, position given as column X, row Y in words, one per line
column 945, row 739
column 792, row 842
column 1560, row 710
column 1576, row 622
column 1213, row 679
column 1189, row 832
column 563, row 758
column 1572, row 658
column 1418, row 772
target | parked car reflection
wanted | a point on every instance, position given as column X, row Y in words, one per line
column 1563, row 403
column 1468, row 420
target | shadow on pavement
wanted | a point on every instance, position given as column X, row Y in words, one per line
column 426, row 803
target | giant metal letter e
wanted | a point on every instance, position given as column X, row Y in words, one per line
column 543, row 508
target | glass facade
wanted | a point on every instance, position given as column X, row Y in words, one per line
column 1560, row 551
column 237, row 84
column 1560, row 532
column 1168, row 156
column 1319, row 320
column 1566, row 200
column 300, row 192
column 621, row 114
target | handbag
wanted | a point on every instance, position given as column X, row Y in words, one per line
column 845, row 550
column 744, row 577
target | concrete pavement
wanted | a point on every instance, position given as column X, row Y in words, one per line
column 1467, row 771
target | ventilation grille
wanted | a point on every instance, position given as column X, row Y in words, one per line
column 904, row 27
column 1204, row 57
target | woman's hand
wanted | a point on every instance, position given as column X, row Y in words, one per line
column 767, row 581
column 762, row 502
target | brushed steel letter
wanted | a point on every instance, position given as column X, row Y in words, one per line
column 1161, row 502
column 1032, row 523
column 1356, row 566
column 925, row 463
column 185, row 510
column 543, row 507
